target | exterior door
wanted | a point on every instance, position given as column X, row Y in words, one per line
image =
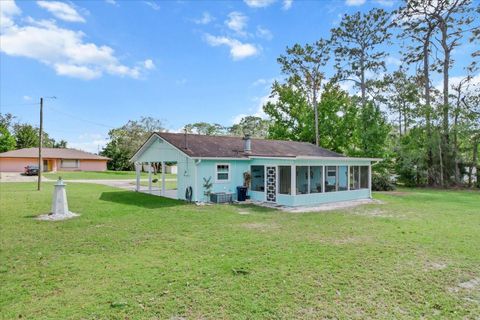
column 271, row 184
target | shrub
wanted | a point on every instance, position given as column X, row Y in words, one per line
column 382, row 182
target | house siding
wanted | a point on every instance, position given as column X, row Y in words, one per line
column 19, row 164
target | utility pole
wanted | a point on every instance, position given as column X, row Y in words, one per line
column 40, row 140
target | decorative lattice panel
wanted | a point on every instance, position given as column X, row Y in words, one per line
column 271, row 184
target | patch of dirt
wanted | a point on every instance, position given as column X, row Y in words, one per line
column 260, row 226
column 373, row 212
column 243, row 212
column 472, row 285
column 435, row 265
column 343, row 241
column 57, row 217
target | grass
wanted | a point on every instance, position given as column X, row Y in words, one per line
column 169, row 185
column 101, row 175
column 136, row 256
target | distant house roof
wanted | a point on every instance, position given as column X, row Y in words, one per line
column 233, row 147
column 56, row 153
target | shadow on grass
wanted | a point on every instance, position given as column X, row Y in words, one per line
column 140, row 199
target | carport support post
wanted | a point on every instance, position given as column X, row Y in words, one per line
column 137, row 172
column 149, row 177
column 163, row 178
column 370, row 180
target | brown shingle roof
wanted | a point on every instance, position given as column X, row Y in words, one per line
column 232, row 147
column 56, row 153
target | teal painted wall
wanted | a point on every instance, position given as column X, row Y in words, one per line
column 207, row 169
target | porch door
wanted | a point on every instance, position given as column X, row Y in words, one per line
column 271, row 184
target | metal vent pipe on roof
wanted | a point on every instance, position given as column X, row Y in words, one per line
column 247, row 144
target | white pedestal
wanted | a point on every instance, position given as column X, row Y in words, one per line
column 59, row 204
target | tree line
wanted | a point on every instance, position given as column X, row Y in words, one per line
column 16, row 135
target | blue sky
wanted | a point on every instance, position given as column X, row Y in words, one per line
column 179, row 61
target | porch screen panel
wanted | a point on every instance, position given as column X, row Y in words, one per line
column 258, row 178
column 364, row 177
column 316, row 179
column 342, row 178
column 331, row 179
column 285, row 179
column 354, row 177
column 302, row 179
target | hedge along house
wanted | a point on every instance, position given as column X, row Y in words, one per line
column 282, row 172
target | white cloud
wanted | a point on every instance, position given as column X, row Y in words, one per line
column 237, row 22
column 62, row 49
column 264, row 33
column 74, row 71
column 393, row 61
column 152, row 4
column 258, row 3
column 355, row 2
column 205, row 19
column 27, row 98
column 386, row 3
column 89, row 142
column 258, row 110
column 8, row 10
column 287, row 4
column 238, row 50
column 148, row 64
column 61, row 10
column 454, row 81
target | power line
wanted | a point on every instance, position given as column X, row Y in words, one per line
column 19, row 104
column 80, row 118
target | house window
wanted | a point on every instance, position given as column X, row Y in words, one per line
column 316, row 176
column 302, row 179
column 223, row 172
column 69, row 163
column 364, row 177
column 258, row 178
column 285, row 178
column 354, row 177
column 342, row 178
column 331, row 179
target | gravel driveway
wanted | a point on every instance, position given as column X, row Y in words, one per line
column 17, row 177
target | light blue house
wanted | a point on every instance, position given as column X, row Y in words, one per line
column 282, row 172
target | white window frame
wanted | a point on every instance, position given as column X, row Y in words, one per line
column 216, row 172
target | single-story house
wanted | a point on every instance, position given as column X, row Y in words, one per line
column 283, row 172
column 54, row 159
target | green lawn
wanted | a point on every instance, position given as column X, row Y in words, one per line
column 101, row 175
column 136, row 256
column 169, row 185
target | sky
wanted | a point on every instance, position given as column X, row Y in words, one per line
column 110, row 61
